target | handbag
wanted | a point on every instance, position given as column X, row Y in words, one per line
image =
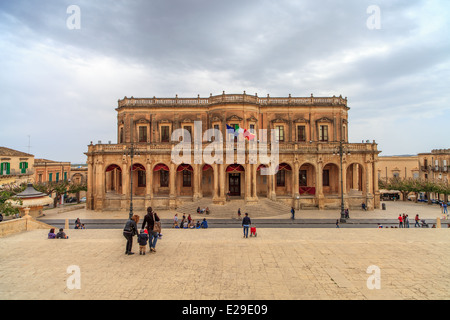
column 157, row 226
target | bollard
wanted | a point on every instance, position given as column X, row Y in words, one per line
column 438, row 222
column 66, row 226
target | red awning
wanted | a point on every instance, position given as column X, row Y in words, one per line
column 161, row 166
column 284, row 166
column 261, row 166
column 206, row 167
column 112, row 167
column 183, row 167
column 235, row 168
column 138, row 167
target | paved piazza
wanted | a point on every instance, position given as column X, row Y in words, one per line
column 219, row 264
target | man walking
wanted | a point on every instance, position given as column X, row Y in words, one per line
column 417, row 221
column 292, row 213
column 400, row 221
column 246, row 222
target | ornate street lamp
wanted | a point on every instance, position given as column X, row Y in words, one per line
column 131, row 152
column 341, row 151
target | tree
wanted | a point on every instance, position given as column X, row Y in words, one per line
column 57, row 187
column 77, row 188
column 7, row 192
column 402, row 185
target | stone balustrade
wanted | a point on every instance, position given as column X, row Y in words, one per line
column 230, row 98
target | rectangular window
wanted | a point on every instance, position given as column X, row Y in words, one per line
column 5, row 168
column 186, row 178
column 165, row 133
column 252, row 129
column 323, row 133
column 142, row 134
column 187, row 134
column 121, row 135
column 164, row 178
column 65, row 176
column 303, row 178
column 141, row 179
column 326, row 178
column 279, row 133
column 57, row 176
column 281, row 178
column 40, row 177
column 23, row 167
column 301, row 133
column 50, row 177
column 234, row 125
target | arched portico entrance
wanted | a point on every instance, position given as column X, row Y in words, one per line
column 236, row 179
column 113, row 179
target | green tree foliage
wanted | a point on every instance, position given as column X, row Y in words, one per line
column 405, row 186
column 8, row 191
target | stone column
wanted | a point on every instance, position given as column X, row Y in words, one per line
column 100, row 185
column 295, row 182
column 172, row 187
column 125, row 202
column 319, row 185
column 248, row 184
column 216, row 181
column 222, row 182
column 196, row 177
column 90, row 184
column 376, row 191
column 369, row 185
column 172, row 178
column 254, row 181
column 149, row 183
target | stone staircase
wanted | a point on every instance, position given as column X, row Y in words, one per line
column 263, row 208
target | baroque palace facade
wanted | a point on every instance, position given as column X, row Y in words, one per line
column 309, row 132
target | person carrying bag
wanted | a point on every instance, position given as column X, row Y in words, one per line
column 129, row 231
column 153, row 225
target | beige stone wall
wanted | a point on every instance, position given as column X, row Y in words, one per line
column 401, row 166
column 20, row 225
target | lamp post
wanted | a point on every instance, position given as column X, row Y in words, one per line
column 341, row 150
column 131, row 152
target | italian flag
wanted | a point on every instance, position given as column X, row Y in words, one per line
column 237, row 131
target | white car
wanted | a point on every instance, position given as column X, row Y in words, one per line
column 83, row 199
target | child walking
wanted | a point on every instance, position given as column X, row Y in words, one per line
column 142, row 239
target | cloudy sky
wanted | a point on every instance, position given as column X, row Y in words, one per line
column 59, row 86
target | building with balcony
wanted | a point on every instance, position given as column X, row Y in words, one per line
column 51, row 171
column 16, row 167
column 307, row 130
column 435, row 166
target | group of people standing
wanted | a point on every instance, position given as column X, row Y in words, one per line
column 150, row 231
column 403, row 221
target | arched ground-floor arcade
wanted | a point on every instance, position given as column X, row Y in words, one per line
column 302, row 181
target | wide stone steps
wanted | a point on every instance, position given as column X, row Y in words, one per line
column 262, row 208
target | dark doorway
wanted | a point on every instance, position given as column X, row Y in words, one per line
column 235, row 184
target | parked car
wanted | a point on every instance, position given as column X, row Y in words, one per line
column 71, row 200
column 83, row 199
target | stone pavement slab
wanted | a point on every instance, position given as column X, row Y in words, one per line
column 280, row 264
